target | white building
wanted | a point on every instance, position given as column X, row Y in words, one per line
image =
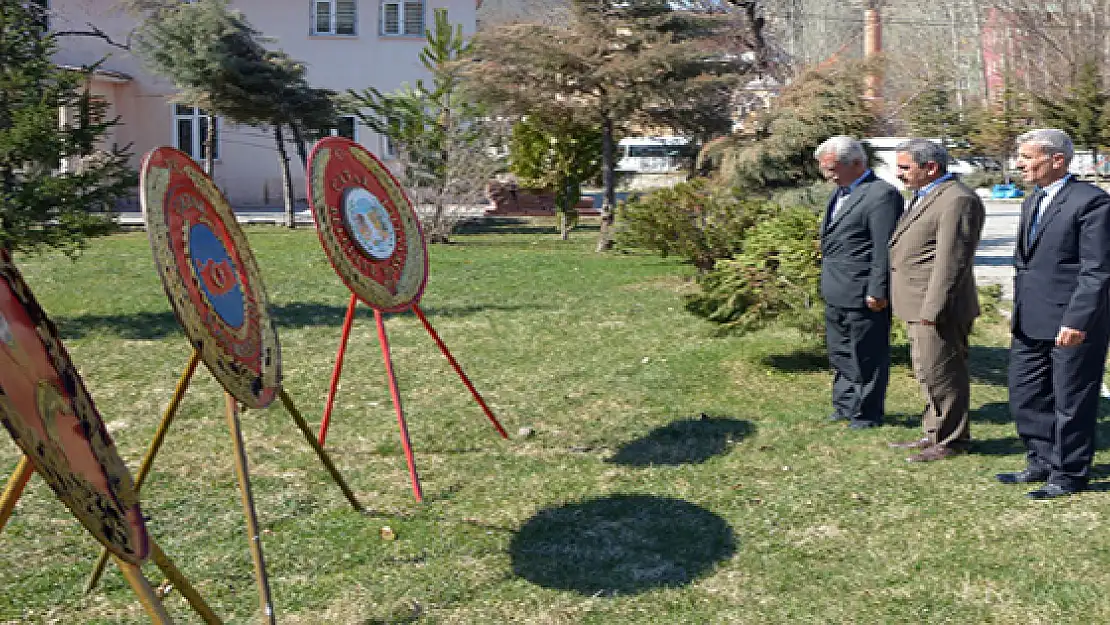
column 345, row 44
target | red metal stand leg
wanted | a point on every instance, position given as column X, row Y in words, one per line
column 458, row 370
column 334, row 388
column 416, row 491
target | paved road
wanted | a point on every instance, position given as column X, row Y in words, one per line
column 994, row 258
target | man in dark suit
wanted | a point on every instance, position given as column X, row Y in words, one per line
column 932, row 257
column 855, row 281
column 1060, row 322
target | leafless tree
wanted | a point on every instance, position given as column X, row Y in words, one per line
column 1050, row 41
column 443, row 204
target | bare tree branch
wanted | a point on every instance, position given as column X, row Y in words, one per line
column 95, row 32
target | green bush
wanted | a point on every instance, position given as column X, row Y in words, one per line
column 776, row 275
column 814, row 196
column 694, row 220
column 990, row 302
column 983, row 179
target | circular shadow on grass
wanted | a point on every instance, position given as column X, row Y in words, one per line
column 621, row 544
column 690, row 441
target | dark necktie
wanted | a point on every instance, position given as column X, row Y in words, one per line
column 1034, row 217
column 839, row 197
column 914, row 200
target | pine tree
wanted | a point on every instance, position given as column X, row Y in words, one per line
column 996, row 127
column 615, row 64
column 933, row 113
column 819, row 104
column 219, row 63
column 440, row 133
column 58, row 183
column 1082, row 110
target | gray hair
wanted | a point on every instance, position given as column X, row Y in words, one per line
column 844, row 148
column 924, row 151
column 1050, row 141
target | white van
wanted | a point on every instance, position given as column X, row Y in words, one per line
column 654, row 155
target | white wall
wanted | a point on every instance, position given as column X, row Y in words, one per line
column 248, row 168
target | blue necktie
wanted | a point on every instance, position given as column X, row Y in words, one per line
column 1038, row 198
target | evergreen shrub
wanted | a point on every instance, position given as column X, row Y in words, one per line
column 985, row 179
column 774, row 275
column 695, row 220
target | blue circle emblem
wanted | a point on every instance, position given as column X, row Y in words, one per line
column 217, row 274
column 369, row 223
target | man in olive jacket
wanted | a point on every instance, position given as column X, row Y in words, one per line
column 932, row 257
column 855, row 281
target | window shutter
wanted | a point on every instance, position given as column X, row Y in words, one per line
column 322, row 21
column 345, row 17
column 391, row 18
column 414, row 18
column 345, row 127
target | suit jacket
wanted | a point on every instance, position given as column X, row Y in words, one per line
column 1061, row 276
column 932, row 255
column 854, row 256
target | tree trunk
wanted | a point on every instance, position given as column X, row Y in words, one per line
column 609, row 203
column 209, row 145
column 286, row 180
column 440, row 233
column 298, row 140
column 564, row 226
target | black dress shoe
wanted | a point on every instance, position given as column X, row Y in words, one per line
column 1051, row 491
column 863, row 425
column 1025, row 476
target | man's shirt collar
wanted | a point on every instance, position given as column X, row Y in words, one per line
column 856, row 183
column 923, row 191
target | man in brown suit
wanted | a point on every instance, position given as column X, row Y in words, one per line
column 932, row 254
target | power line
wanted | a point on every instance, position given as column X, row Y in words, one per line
column 817, row 17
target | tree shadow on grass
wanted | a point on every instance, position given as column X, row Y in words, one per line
column 1100, row 471
column 1008, row 446
column 311, row 314
column 997, row 412
column 690, row 441
column 620, row 544
column 134, row 326
column 815, row 359
column 158, row 325
column 902, row 419
column 811, row 360
column 989, row 365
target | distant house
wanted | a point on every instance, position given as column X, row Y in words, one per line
column 346, row 44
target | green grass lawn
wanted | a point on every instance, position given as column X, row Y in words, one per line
column 671, row 476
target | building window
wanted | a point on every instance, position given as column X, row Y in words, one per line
column 190, row 129
column 334, row 17
column 347, row 126
column 403, row 17
column 389, row 148
column 42, row 11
